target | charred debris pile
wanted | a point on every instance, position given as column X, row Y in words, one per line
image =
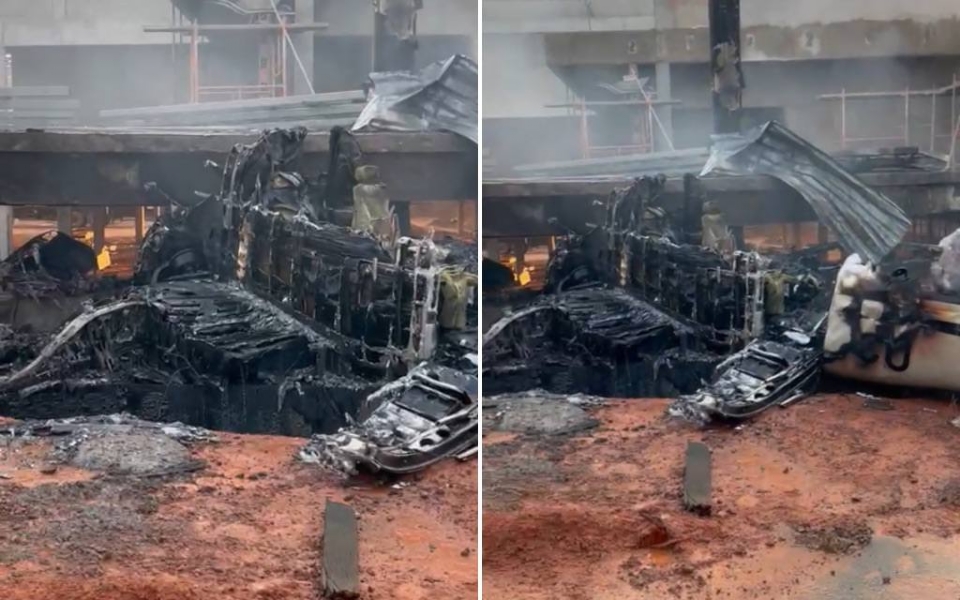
column 655, row 304
column 272, row 306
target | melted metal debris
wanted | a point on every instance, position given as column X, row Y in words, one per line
column 422, row 418
column 260, row 303
column 606, row 342
column 763, row 374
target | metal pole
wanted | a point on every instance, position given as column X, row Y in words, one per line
column 283, row 67
column 240, row 28
column 843, row 119
column 584, row 134
column 194, row 65
column 933, row 123
column 652, row 105
column 296, row 55
column 953, row 114
column 906, row 118
column 653, row 140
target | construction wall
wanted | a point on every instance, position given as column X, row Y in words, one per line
column 537, row 16
column 516, row 79
column 438, row 17
column 101, row 77
column 539, row 51
column 343, row 54
column 343, row 62
column 528, row 16
column 795, row 88
column 81, row 22
column 517, row 132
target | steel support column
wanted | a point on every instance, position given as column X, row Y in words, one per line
column 395, row 34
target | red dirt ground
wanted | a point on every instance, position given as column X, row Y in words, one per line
column 249, row 526
column 598, row 516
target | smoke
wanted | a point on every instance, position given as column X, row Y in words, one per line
column 517, row 85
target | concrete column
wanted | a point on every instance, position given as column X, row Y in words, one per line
column 100, row 220
column 303, row 42
column 402, row 211
column 666, row 19
column 6, row 231
column 665, row 112
column 139, row 223
column 65, row 219
column 6, row 77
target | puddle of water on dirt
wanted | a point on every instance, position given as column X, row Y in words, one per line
column 922, row 567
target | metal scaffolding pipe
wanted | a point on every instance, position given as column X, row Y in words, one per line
column 238, row 28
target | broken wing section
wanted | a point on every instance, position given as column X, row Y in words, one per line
column 865, row 221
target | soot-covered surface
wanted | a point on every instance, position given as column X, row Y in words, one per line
column 598, row 341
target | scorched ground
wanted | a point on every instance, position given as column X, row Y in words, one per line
column 246, row 526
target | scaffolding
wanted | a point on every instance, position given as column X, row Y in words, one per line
column 942, row 135
column 272, row 67
column 645, row 134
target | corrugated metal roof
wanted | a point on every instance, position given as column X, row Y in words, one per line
column 443, row 96
column 691, row 160
column 673, row 163
column 317, row 112
column 865, row 221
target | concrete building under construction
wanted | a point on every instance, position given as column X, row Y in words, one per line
column 841, row 74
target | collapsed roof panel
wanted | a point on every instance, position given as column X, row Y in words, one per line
column 676, row 163
column 866, row 221
column 317, row 112
column 443, row 96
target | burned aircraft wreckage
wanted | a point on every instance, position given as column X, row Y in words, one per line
column 632, row 309
column 266, row 308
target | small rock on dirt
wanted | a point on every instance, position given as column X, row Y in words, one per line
column 48, row 469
